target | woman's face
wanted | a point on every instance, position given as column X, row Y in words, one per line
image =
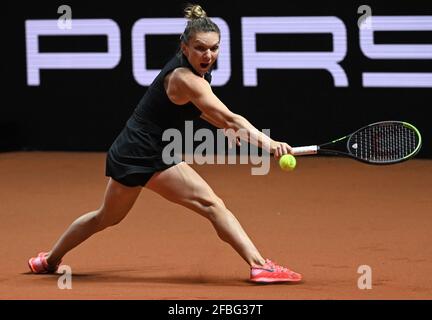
column 202, row 50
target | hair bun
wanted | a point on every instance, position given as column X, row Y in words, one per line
column 194, row 11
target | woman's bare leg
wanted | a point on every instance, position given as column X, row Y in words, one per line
column 118, row 200
column 183, row 185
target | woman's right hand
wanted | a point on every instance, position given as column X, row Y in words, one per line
column 278, row 149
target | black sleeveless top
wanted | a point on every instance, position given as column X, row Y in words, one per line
column 136, row 153
column 157, row 108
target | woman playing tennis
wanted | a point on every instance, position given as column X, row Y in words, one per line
column 180, row 92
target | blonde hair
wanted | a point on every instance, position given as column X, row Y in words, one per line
column 198, row 22
column 194, row 11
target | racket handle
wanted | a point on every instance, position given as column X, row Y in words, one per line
column 301, row 151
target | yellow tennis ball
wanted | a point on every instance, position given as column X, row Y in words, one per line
column 287, row 162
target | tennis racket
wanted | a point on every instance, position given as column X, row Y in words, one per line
column 385, row 142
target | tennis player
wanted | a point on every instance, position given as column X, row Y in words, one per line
column 180, row 92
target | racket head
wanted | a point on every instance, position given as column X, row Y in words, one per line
column 385, row 142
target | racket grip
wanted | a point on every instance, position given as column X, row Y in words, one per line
column 301, row 151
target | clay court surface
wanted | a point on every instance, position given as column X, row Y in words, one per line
column 325, row 219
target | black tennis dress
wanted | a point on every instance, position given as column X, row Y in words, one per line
column 136, row 154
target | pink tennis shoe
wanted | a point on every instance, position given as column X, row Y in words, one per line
column 271, row 272
column 39, row 264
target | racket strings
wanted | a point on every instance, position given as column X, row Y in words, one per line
column 383, row 143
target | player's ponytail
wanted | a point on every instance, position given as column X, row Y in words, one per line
column 194, row 11
column 197, row 22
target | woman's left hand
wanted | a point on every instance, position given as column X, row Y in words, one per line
column 280, row 148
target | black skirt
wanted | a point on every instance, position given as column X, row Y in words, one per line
column 136, row 154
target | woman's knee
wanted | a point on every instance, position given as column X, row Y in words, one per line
column 104, row 219
column 212, row 207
